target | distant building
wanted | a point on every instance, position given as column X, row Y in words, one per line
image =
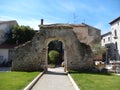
column 6, row 54
column 111, row 40
column 106, row 39
column 5, row 27
column 5, row 49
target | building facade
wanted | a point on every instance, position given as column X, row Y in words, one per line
column 115, row 30
column 106, row 39
column 111, row 40
column 5, row 56
column 5, row 49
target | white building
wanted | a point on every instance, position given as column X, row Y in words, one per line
column 111, row 40
column 106, row 39
column 115, row 30
column 5, row 50
column 5, row 54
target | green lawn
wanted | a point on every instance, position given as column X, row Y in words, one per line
column 16, row 80
column 87, row 81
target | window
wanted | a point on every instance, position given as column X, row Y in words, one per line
column 115, row 32
column 108, row 46
column 116, row 45
column 108, row 38
column 103, row 40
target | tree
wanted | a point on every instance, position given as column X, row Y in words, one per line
column 98, row 50
column 20, row 34
column 55, row 45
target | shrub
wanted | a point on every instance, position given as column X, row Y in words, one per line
column 53, row 56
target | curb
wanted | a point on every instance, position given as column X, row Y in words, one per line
column 73, row 82
column 32, row 83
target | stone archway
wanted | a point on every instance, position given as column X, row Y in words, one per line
column 32, row 55
column 63, row 48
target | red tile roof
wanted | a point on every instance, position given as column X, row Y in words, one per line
column 98, row 58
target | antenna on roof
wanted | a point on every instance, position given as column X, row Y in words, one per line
column 83, row 21
column 74, row 18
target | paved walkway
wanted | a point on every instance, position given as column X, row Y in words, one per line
column 54, row 79
column 5, row 69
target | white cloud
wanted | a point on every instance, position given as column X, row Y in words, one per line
column 4, row 18
column 32, row 22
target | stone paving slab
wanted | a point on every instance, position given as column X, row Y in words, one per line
column 54, row 79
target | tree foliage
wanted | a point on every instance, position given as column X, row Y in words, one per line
column 20, row 34
column 55, row 45
column 97, row 49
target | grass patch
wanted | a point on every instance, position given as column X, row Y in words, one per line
column 16, row 80
column 93, row 81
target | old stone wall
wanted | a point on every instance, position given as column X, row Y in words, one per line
column 32, row 55
column 87, row 34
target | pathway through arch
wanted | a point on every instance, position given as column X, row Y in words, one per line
column 54, row 79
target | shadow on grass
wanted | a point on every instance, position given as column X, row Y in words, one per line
column 89, row 72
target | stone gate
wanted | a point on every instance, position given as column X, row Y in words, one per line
column 76, row 40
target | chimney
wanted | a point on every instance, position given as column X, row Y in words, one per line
column 42, row 21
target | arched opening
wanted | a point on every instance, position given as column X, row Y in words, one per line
column 55, row 54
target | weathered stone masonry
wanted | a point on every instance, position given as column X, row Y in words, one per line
column 32, row 55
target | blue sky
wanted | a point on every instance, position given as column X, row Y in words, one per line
column 97, row 13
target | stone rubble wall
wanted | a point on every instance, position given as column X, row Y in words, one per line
column 88, row 35
column 32, row 56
